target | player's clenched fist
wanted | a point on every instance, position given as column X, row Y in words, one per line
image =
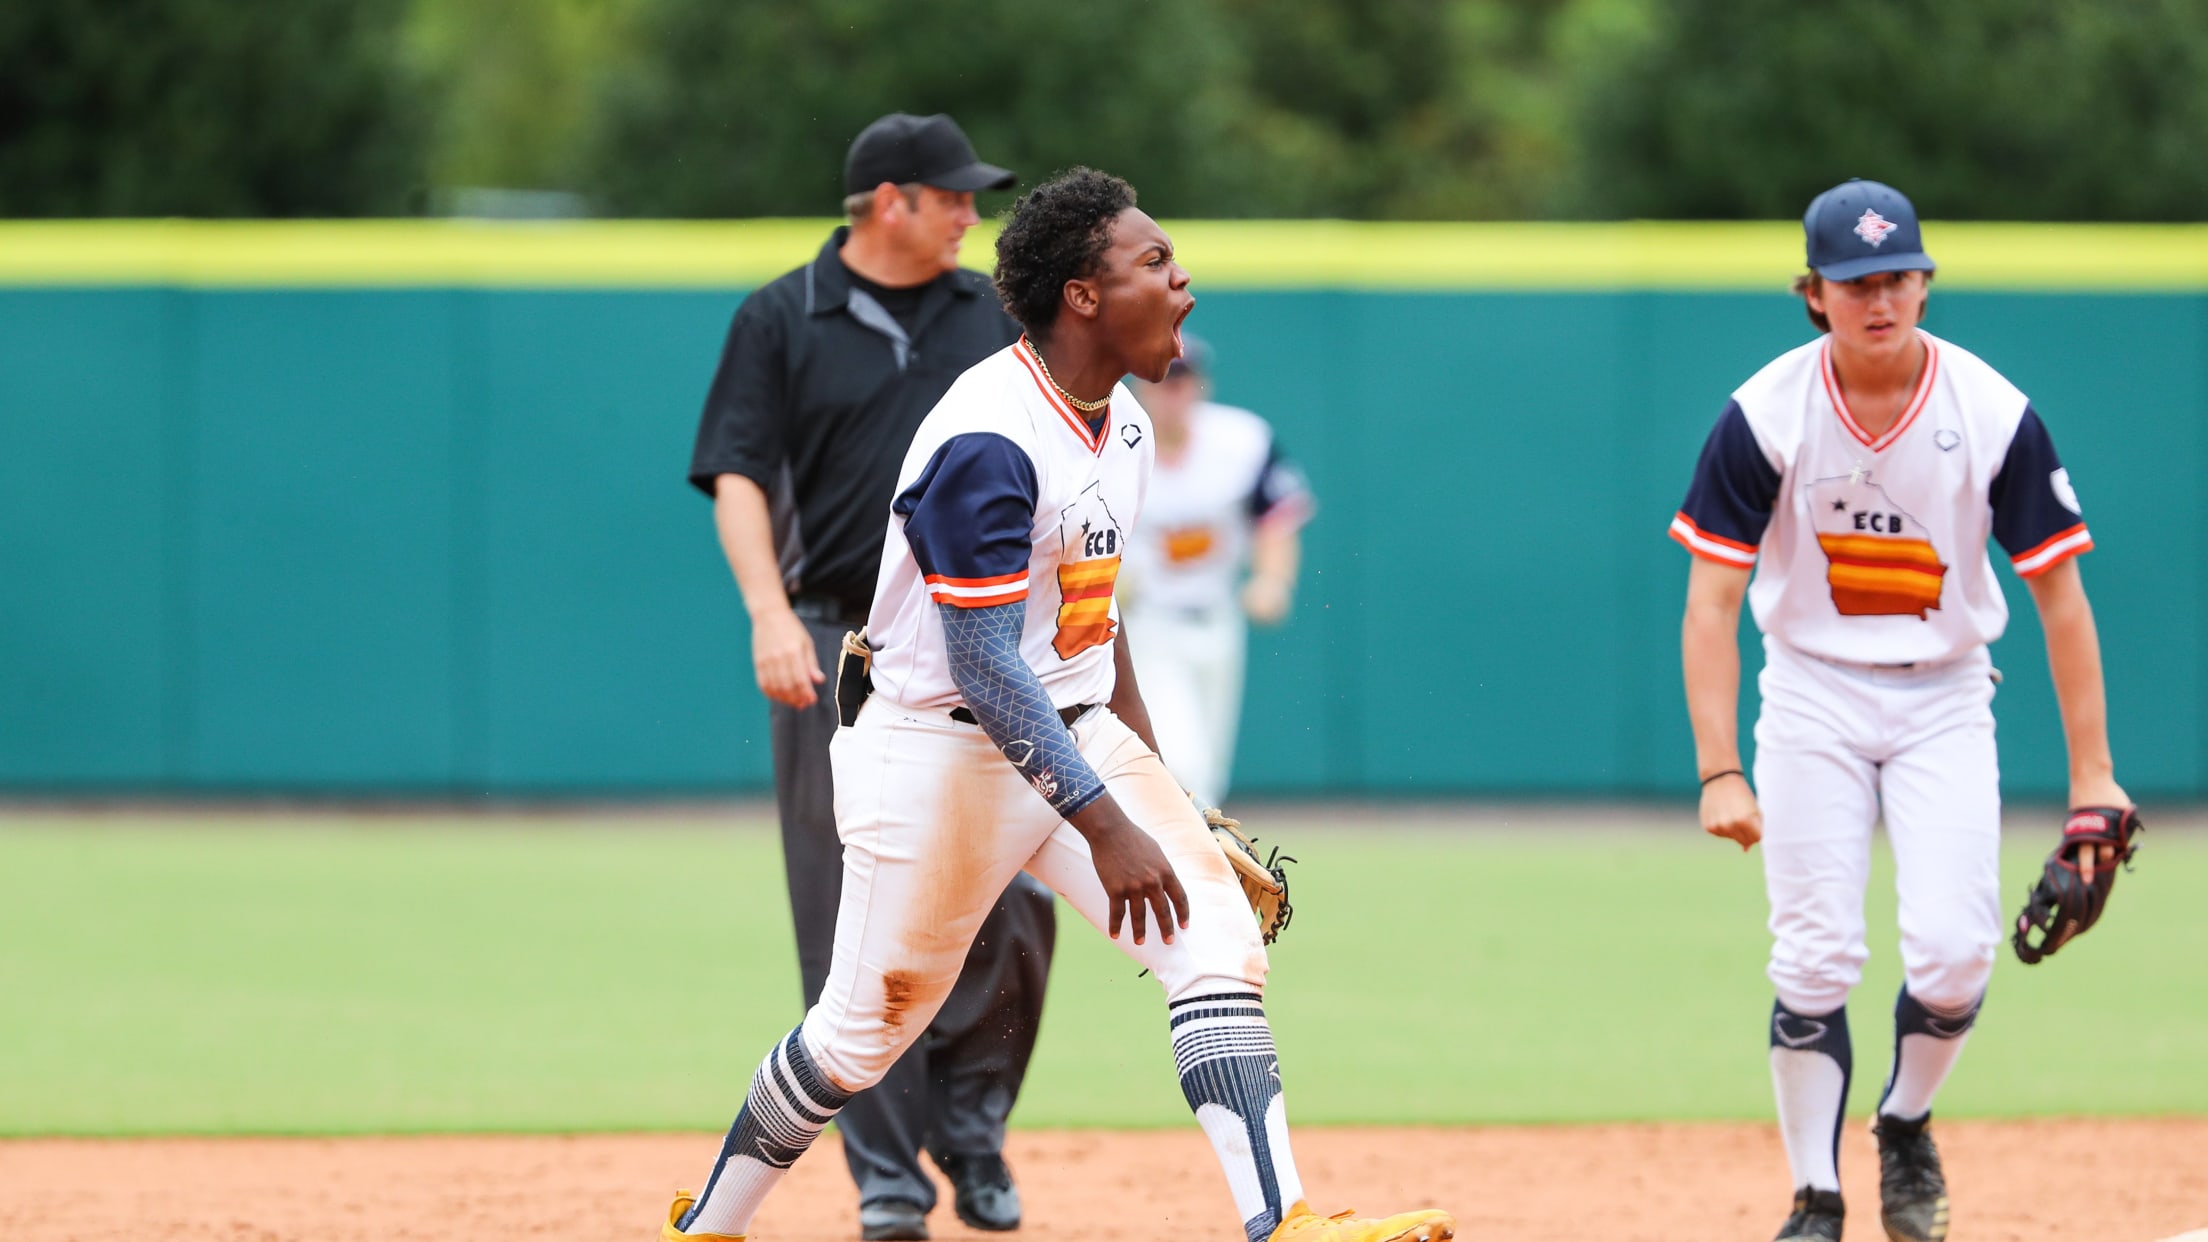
column 783, row 658
column 1133, row 870
column 1729, row 810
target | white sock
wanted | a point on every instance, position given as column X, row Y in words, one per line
column 1926, row 1043
column 789, row 1104
column 1230, row 1075
column 1811, row 1061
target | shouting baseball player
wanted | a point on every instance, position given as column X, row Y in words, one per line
column 1860, row 476
column 1004, row 731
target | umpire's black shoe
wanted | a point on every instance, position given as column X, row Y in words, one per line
column 893, row 1220
column 1818, row 1215
column 1912, row 1192
column 984, row 1194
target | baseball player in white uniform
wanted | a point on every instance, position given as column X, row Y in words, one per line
column 1005, row 731
column 1860, row 477
column 1222, row 501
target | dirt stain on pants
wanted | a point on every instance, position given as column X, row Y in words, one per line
column 898, row 989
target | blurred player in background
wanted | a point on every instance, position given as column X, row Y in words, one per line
column 1860, row 477
column 826, row 373
column 1222, row 501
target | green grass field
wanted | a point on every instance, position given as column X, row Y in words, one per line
column 335, row 975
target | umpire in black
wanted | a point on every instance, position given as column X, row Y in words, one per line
column 826, row 374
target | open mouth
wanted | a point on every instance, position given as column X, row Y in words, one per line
column 1180, row 347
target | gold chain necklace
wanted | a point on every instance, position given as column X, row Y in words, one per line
column 1086, row 407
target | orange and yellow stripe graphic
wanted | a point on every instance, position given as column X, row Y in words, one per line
column 1085, row 618
column 1875, row 576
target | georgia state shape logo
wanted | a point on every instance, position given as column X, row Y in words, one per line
column 1090, row 542
column 1879, row 560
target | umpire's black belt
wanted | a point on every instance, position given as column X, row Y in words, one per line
column 1067, row 714
column 828, row 610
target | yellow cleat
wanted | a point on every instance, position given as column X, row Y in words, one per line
column 1304, row 1225
column 683, row 1200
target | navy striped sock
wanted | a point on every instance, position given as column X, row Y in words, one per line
column 1230, row 1074
column 789, row 1104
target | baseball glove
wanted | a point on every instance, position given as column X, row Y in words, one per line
column 1264, row 881
column 2062, row 905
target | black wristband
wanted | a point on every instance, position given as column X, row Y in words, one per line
column 1727, row 772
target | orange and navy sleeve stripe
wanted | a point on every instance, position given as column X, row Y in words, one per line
column 969, row 519
column 978, row 592
column 1729, row 504
column 2035, row 512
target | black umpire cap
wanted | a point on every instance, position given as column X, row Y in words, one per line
column 932, row 150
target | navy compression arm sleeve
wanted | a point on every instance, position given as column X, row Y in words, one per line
column 1009, row 703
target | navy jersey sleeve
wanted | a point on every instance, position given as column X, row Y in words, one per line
column 1280, row 494
column 740, row 431
column 2036, row 518
column 1729, row 504
column 969, row 518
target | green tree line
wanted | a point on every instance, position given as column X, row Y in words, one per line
column 1408, row 109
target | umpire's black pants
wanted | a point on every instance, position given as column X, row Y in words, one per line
column 953, row 1089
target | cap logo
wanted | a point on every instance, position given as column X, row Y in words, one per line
column 1873, row 227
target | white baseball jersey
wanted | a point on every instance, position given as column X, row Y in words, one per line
column 1872, row 550
column 1203, row 503
column 1007, row 495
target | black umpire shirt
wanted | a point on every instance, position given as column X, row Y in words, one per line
column 823, row 381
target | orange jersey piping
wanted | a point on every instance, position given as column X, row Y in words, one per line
column 1917, row 400
column 1029, row 359
column 2053, row 551
column 1711, row 547
column 977, row 592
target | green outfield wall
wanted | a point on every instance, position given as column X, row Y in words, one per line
column 399, row 508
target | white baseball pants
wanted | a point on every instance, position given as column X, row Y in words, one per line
column 1837, row 743
column 935, row 822
column 1190, row 665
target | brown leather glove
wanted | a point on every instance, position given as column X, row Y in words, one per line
column 1264, row 881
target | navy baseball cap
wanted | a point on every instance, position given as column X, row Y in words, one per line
column 1860, row 227
column 901, row 148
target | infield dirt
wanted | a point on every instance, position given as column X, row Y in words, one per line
column 2103, row 1181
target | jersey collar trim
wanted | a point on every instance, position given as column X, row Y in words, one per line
column 1917, row 401
column 1025, row 352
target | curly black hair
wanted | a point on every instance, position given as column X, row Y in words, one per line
column 1056, row 232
